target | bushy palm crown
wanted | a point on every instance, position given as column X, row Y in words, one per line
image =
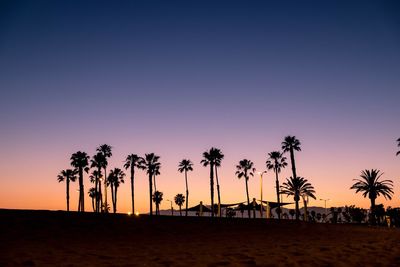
column 151, row 164
column 245, row 168
column 134, row 160
column 297, row 187
column 105, row 150
column 370, row 185
column 398, row 145
column 276, row 161
column 98, row 161
column 213, row 156
column 291, row 142
column 185, row 165
column 80, row 160
column 157, row 197
column 116, row 177
column 67, row 174
column 92, row 192
column 94, row 176
column 179, row 199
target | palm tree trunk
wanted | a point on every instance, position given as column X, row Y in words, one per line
column 133, row 187
column 212, row 188
column 115, row 199
column 180, row 210
column 81, row 190
column 93, row 203
column 96, row 196
column 278, row 209
column 151, row 192
column 100, row 198
column 372, row 216
column 155, row 186
column 293, row 163
column 105, row 191
column 67, row 193
column 187, row 195
column 218, row 192
column 297, row 209
column 248, row 199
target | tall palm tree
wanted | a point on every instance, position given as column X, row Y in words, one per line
column 184, row 166
column 151, row 164
column 371, row 186
column 179, row 200
column 208, row 160
column 115, row 178
column 80, row 160
column 276, row 162
column 245, row 169
column 106, row 151
column 95, row 177
column 92, row 194
column 297, row 187
column 398, row 145
column 156, row 172
column 291, row 144
column 68, row 176
column 133, row 161
column 157, row 198
column 98, row 161
column 218, row 157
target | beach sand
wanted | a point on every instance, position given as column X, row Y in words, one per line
column 55, row 238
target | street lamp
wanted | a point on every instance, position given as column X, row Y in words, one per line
column 325, row 200
column 261, row 183
column 172, row 208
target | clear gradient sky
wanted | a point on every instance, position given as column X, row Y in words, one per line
column 177, row 77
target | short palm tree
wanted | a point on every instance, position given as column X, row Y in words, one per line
column 291, row 144
column 297, row 187
column 133, row 161
column 246, row 169
column 92, row 194
column 80, row 160
column 151, row 165
column 208, row 160
column 218, row 157
column 157, row 198
column 398, row 145
column 106, row 151
column 68, row 176
column 115, row 178
column 184, row 166
column 95, row 177
column 276, row 162
column 98, row 161
column 179, row 200
column 371, row 186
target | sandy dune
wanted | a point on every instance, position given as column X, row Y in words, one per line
column 44, row 238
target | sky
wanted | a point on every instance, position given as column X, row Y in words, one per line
column 178, row 77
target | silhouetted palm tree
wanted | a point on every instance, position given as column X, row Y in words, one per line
column 106, row 151
column 95, row 177
column 92, row 194
column 131, row 162
column 98, row 161
column 218, row 157
column 297, row 187
column 398, row 145
column 276, row 161
column 151, row 164
column 157, row 198
column 156, row 172
column 370, row 186
column 208, row 160
column 68, row 176
column 290, row 144
column 115, row 178
column 245, row 169
column 80, row 160
column 179, row 200
column 184, row 166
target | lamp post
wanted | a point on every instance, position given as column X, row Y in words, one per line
column 172, row 208
column 261, row 186
column 325, row 200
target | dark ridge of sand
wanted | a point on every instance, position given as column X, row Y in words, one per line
column 56, row 238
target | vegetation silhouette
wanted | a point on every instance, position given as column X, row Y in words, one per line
column 218, row 157
column 115, row 178
column 297, row 187
column 93, row 194
column 179, row 200
column 208, row 160
column 291, row 144
column 151, row 165
column 107, row 153
column 80, row 160
column 184, row 166
column 370, row 186
column 98, row 162
column 276, row 162
column 245, row 169
column 398, row 145
column 133, row 161
column 95, row 177
column 68, row 176
column 157, row 198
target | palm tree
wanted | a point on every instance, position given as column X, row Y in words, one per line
column 157, row 198
column 370, row 185
column 217, row 156
column 297, row 187
column 68, row 176
column 115, row 178
column 276, row 161
column 131, row 162
column 184, row 166
column 156, row 172
column 98, row 161
column 80, row 160
column 398, row 145
column 93, row 195
column 179, row 200
column 95, row 177
column 106, row 151
column 208, row 160
column 151, row 165
column 245, row 169
column 290, row 144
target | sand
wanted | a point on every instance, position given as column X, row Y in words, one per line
column 50, row 238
